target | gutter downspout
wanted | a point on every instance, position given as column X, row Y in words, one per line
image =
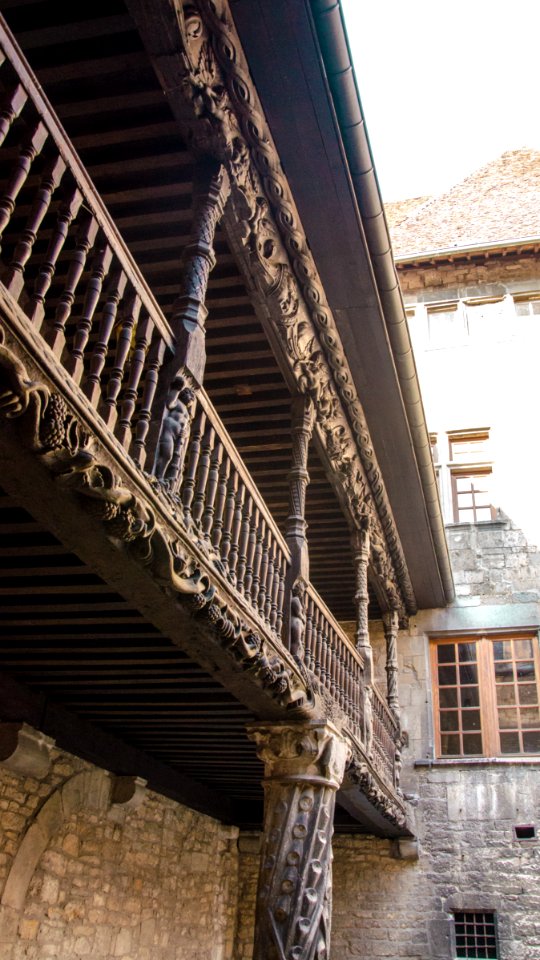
column 336, row 57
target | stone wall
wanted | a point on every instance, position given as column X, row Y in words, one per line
column 81, row 876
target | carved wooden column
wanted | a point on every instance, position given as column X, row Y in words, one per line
column 183, row 374
column 302, row 421
column 360, row 545
column 304, row 767
column 391, row 626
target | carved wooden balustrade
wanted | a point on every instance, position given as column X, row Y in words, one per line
column 66, row 266
column 223, row 508
column 385, row 737
column 332, row 657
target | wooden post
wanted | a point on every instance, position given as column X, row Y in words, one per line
column 184, row 372
column 302, row 421
column 391, row 626
column 304, row 767
column 361, row 547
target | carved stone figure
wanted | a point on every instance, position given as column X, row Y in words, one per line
column 174, row 435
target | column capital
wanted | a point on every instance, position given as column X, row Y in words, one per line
column 312, row 752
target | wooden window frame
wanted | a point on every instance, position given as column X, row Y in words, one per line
column 472, row 472
column 487, row 689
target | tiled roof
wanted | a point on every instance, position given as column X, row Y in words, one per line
column 497, row 203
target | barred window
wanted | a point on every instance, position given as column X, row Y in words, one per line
column 475, row 935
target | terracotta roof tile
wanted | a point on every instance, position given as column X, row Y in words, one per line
column 497, row 203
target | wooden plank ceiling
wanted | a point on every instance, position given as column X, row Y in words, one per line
column 92, row 65
column 72, row 640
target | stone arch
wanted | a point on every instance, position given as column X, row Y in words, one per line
column 90, row 790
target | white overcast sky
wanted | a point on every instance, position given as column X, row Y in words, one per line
column 446, row 86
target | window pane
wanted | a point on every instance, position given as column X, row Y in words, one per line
column 448, row 697
column 470, row 697
column 510, row 743
column 530, row 717
column 504, row 672
column 447, row 676
column 471, row 720
column 466, row 516
column 467, row 652
column 523, row 649
column 483, row 513
column 502, row 650
column 468, row 673
column 527, row 693
column 446, row 653
column 531, row 742
column 525, row 670
column 449, row 720
column 506, row 695
column 472, row 743
column 507, row 719
column 450, row 745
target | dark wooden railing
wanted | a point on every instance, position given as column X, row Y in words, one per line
column 65, row 264
column 385, row 735
column 332, row 657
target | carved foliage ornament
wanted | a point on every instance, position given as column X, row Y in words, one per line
column 53, row 432
column 230, row 124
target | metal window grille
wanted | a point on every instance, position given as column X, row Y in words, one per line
column 476, row 935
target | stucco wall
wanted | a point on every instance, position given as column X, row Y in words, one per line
column 158, row 882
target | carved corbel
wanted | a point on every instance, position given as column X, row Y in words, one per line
column 128, row 792
column 25, row 751
column 304, row 767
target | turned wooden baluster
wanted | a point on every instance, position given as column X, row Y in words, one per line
column 211, row 492
column 12, row 104
column 230, row 503
column 243, row 543
column 348, row 680
column 257, row 560
column 309, row 657
column 31, row 147
column 317, row 644
column 207, row 446
column 100, row 267
column 270, row 576
column 188, row 491
column 86, row 236
column 221, row 500
column 261, row 597
column 325, row 654
column 237, row 522
column 92, row 386
column 275, row 587
column 123, row 343
column 252, row 543
column 14, row 277
column 152, row 368
column 282, row 574
column 333, row 666
column 67, row 212
column 136, row 366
